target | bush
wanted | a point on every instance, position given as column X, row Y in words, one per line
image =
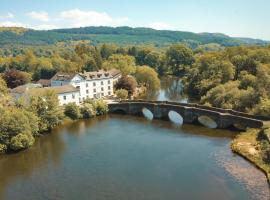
column 122, row 94
column 101, row 107
column 3, row 148
column 72, row 111
column 88, row 110
column 21, row 141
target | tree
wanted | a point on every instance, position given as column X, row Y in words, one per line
column 106, row 51
column 72, row 111
column 88, row 110
column 16, row 128
column 46, row 107
column 122, row 94
column 125, row 63
column 263, row 108
column 16, row 78
column 3, row 87
column 128, row 83
column 148, row 77
column 178, row 58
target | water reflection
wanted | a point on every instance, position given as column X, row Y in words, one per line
column 47, row 149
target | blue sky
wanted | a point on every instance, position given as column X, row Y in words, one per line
column 245, row 18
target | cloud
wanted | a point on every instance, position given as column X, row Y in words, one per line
column 12, row 24
column 160, row 26
column 7, row 16
column 40, row 16
column 79, row 18
column 67, row 19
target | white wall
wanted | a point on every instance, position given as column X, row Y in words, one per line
column 71, row 97
column 89, row 88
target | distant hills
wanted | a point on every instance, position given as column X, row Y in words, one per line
column 118, row 35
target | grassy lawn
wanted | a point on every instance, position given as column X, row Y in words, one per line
column 254, row 146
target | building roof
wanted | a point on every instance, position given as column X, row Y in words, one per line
column 24, row 88
column 115, row 72
column 38, row 89
column 44, row 82
column 63, row 76
column 63, row 89
column 101, row 74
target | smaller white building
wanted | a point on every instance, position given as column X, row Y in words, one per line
column 66, row 94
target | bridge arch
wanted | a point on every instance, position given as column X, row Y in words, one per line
column 175, row 117
column 147, row 113
column 207, row 121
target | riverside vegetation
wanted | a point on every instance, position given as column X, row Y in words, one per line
column 23, row 120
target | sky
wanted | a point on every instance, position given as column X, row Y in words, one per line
column 238, row 18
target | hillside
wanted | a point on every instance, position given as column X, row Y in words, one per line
column 119, row 35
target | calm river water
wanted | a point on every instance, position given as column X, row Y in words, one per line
column 119, row 157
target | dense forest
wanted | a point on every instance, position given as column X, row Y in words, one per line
column 120, row 36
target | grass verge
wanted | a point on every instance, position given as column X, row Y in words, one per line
column 255, row 147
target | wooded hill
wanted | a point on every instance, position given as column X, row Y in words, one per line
column 120, row 36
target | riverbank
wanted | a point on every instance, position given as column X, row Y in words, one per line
column 254, row 146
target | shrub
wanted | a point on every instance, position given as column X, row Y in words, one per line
column 122, row 94
column 88, row 110
column 3, row 148
column 72, row 111
column 101, row 107
column 21, row 141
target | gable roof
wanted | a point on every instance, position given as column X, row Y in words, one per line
column 44, row 82
column 63, row 76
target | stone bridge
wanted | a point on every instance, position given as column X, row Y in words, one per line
column 224, row 118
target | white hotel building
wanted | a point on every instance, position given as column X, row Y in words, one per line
column 73, row 87
column 96, row 84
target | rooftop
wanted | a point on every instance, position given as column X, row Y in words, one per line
column 37, row 89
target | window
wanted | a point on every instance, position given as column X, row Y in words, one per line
column 87, row 91
column 95, row 90
column 109, row 87
column 78, row 87
column 94, row 84
column 86, row 85
column 102, row 89
column 64, row 97
column 73, row 96
column 101, row 82
column 109, row 81
column 109, row 93
column 102, row 94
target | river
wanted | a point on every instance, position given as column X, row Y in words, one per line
column 119, row 157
